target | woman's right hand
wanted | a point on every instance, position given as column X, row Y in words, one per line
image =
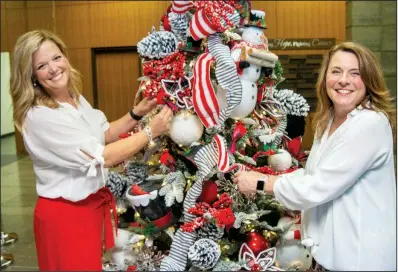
column 161, row 122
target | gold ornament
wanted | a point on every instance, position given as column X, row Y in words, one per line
column 137, row 216
column 248, row 227
column 271, row 236
column 120, row 210
column 225, row 249
column 189, row 185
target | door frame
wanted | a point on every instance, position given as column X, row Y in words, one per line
column 99, row 50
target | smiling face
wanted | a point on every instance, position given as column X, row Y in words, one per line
column 344, row 84
column 51, row 69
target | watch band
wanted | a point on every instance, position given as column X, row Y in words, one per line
column 261, row 184
column 134, row 116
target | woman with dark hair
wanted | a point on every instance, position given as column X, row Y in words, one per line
column 347, row 193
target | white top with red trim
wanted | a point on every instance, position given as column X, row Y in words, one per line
column 348, row 195
column 55, row 139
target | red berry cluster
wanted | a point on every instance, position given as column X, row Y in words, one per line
column 170, row 67
column 215, row 11
column 220, row 211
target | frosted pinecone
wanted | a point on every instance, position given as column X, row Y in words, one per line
column 179, row 26
column 158, row 44
column 211, row 231
column 291, row 102
column 136, row 173
column 204, row 253
column 117, row 184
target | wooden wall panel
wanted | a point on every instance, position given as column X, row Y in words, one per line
column 39, row 4
column 80, row 59
column 16, row 26
column 124, row 24
column 117, row 75
column 15, row 4
column 40, row 18
column 4, row 29
column 76, row 18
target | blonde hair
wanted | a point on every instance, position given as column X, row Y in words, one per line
column 372, row 76
column 23, row 93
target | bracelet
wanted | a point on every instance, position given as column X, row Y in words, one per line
column 148, row 133
column 134, row 116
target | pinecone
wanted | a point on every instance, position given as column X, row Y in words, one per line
column 204, row 254
column 211, row 231
column 117, row 184
column 291, row 102
column 136, row 173
column 158, row 44
column 179, row 26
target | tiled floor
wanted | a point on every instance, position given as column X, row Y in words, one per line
column 18, row 198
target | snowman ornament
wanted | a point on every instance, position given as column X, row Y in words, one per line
column 249, row 72
column 291, row 253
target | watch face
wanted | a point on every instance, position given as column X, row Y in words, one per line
column 260, row 185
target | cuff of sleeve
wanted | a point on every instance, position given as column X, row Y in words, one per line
column 92, row 164
column 105, row 126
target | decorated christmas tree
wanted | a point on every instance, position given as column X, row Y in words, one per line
column 178, row 206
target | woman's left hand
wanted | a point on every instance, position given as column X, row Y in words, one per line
column 145, row 106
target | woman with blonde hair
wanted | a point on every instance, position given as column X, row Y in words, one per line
column 71, row 146
column 347, row 192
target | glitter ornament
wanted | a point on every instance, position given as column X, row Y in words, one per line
column 186, row 128
column 256, row 242
column 280, row 161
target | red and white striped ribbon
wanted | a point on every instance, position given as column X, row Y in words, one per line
column 181, row 7
column 200, row 26
column 207, row 108
column 204, row 99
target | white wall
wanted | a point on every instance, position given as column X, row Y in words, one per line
column 7, row 124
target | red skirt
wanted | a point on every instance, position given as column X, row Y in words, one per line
column 69, row 234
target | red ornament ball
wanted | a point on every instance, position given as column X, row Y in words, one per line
column 256, row 242
column 209, row 192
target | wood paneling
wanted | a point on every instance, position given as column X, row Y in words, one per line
column 39, row 4
column 80, row 59
column 15, row 4
column 16, row 26
column 76, row 18
column 124, row 24
column 117, row 75
column 40, row 18
column 4, row 28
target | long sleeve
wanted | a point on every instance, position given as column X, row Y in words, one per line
column 55, row 138
column 363, row 145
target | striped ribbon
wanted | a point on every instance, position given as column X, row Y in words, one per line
column 180, row 7
column 213, row 154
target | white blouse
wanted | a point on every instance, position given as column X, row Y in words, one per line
column 348, row 195
column 55, row 139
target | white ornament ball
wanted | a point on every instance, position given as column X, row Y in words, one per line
column 186, row 128
column 293, row 254
column 281, row 161
column 248, row 102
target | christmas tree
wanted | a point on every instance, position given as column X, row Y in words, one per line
column 178, row 206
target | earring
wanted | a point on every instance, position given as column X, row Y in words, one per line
column 34, row 83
